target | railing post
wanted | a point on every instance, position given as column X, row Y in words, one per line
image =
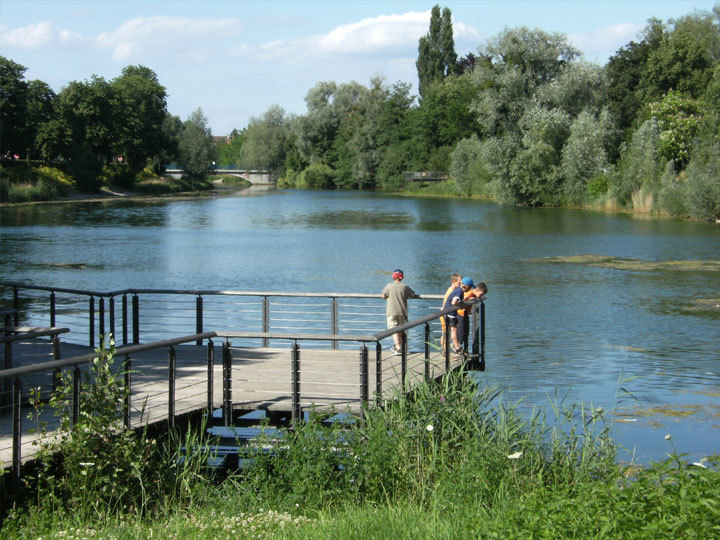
column 227, row 384
column 101, row 316
column 55, row 340
column 199, row 318
column 16, row 429
column 378, row 373
column 448, row 345
column 171, row 388
column 295, row 375
column 427, row 351
column 76, row 395
column 210, row 377
column 136, row 319
column 91, row 321
column 112, row 316
column 52, row 308
column 125, row 319
column 364, row 390
column 127, row 367
column 403, row 358
column 334, row 320
column 16, row 305
column 482, row 337
column 266, row 320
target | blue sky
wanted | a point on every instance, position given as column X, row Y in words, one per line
column 235, row 58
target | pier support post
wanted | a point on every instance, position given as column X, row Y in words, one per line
column 127, row 367
column 210, row 377
column 227, row 384
column 334, row 320
column 199, row 318
column 125, row 319
column 364, row 383
column 171, row 388
column 136, row 318
column 91, row 321
column 378, row 373
column 296, row 408
column 16, row 429
column 427, row 351
column 52, row 308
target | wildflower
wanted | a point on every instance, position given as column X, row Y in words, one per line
column 699, row 464
column 442, row 398
column 429, row 427
column 668, row 437
column 516, row 455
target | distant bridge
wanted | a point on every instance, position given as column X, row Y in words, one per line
column 254, row 176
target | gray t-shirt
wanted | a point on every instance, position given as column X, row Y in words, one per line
column 397, row 294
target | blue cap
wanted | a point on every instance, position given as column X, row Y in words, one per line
column 467, row 282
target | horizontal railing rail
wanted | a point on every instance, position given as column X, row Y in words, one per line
column 136, row 314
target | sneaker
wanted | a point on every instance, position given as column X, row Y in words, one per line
column 395, row 351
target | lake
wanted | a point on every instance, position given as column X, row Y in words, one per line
column 578, row 300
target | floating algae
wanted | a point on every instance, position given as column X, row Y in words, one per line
column 704, row 304
column 620, row 263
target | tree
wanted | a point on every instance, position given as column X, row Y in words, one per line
column 436, row 50
column 140, row 108
column 679, row 119
column 196, row 146
column 266, row 142
column 584, row 156
column 13, row 107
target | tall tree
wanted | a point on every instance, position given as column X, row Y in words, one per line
column 13, row 107
column 196, row 146
column 436, row 50
column 140, row 110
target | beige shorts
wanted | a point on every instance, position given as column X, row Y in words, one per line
column 395, row 320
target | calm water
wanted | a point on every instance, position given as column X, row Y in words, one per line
column 571, row 329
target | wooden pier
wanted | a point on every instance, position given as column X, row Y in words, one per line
column 261, row 380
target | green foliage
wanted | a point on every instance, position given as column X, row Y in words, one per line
column 703, row 183
column 639, row 165
column 24, row 183
column 466, row 164
column 266, row 138
column 100, row 464
column 196, row 148
column 583, row 156
column 316, row 176
column 679, row 119
column 598, row 186
column 436, row 50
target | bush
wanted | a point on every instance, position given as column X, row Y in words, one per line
column 316, row 176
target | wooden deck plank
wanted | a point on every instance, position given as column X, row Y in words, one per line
column 261, row 379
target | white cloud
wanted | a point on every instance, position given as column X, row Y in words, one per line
column 37, row 36
column 153, row 36
column 604, row 42
column 385, row 31
column 393, row 36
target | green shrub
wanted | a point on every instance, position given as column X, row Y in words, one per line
column 316, row 176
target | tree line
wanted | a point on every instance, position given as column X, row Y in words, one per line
column 99, row 131
column 526, row 120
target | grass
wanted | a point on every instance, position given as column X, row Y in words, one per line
column 451, row 461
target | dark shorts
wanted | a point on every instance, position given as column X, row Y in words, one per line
column 452, row 322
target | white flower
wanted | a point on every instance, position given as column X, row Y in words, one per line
column 698, row 464
column 668, row 437
column 429, row 427
column 516, row 455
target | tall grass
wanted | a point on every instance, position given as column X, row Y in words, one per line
column 451, row 460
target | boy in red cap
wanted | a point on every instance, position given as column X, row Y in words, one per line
column 397, row 294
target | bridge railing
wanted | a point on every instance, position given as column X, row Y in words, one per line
column 133, row 316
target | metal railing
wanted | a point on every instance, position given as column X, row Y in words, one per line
column 135, row 315
column 477, row 355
